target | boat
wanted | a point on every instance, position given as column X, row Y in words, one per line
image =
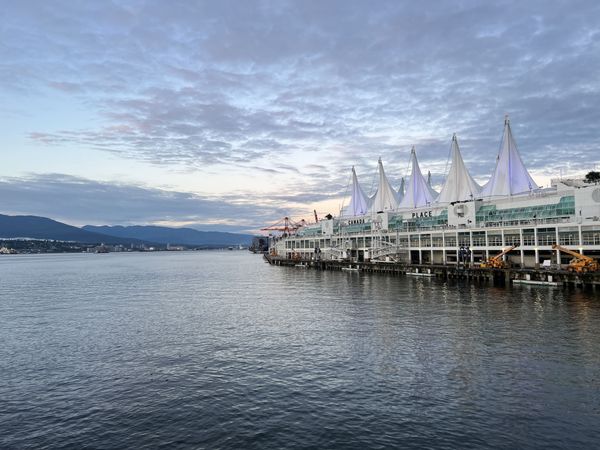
column 416, row 273
column 463, row 223
column 537, row 282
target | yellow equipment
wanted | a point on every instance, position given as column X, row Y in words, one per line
column 580, row 263
column 496, row 262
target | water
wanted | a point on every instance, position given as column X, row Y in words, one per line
column 220, row 350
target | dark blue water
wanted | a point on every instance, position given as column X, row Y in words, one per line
column 220, row 350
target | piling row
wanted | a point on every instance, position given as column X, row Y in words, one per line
column 507, row 276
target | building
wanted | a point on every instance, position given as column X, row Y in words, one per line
column 463, row 222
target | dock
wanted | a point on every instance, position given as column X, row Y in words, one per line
column 507, row 276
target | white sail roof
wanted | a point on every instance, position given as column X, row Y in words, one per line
column 385, row 198
column 433, row 192
column 510, row 175
column 359, row 202
column 418, row 193
column 459, row 184
column 400, row 193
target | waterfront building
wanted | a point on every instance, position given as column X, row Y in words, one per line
column 463, row 221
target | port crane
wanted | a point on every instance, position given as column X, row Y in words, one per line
column 496, row 262
column 286, row 225
column 580, row 263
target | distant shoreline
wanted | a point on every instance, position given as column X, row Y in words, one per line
column 47, row 246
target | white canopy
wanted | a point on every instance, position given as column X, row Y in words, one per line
column 433, row 192
column 418, row 193
column 510, row 175
column 385, row 198
column 400, row 194
column 359, row 202
column 459, row 184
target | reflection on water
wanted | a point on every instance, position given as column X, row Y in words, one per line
column 218, row 349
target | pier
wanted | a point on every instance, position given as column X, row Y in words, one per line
column 506, row 276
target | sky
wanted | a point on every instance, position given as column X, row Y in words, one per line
column 232, row 114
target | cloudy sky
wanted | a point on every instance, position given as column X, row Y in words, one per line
column 231, row 114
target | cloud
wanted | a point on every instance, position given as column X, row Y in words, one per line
column 302, row 91
column 81, row 201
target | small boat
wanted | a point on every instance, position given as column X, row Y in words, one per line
column 538, row 283
column 351, row 269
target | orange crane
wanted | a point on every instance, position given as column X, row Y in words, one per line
column 496, row 262
column 580, row 263
column 285, row 225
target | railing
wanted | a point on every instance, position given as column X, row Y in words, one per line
column 533, row 222
column 528, row 240
column 591, row 240
column 546, row 240
column 569, row 240
column 332, row 251
column 511, row 240
column 384, row 248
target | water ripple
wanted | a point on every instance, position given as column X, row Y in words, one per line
column 219, row 350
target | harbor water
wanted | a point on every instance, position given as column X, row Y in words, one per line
column 218, row 349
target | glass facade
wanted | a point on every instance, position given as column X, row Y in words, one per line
column 564, row 208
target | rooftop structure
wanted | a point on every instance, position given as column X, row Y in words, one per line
column 418, row 192
column 401, row 190
column 459, row 185
column 359, row 202
column 510, row 176
column 385, row 197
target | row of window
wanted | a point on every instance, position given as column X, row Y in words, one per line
column 489, row 213
column 589, row 237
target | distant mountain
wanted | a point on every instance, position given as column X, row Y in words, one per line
column 35, row 227
column 176, row 236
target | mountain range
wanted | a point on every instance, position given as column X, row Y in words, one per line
column 35, row 227
column 166, row 235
